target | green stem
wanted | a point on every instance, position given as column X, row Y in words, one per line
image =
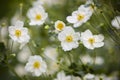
column 12, row 46
column 30, row 49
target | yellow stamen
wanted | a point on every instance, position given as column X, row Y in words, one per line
column 18, row 33
column 80, row 17
column 60, row 26
column 91, row 40
column 69, row 38
column 36, row 64
column 38, row 17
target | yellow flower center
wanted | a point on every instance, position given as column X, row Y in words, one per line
column 38, row 17
column 69, row 38
column 91, row 40
column 80, row 17
column 36, row 64
column 18, row 33
column 60, row 26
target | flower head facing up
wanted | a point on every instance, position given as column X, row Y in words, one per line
column 59, row 25
column 37, row 15
column 61, row 76
column 91, row 41
column 69, row 38
column 36, row 65
column 80, row 16
column 18, row 33
column 116, row 22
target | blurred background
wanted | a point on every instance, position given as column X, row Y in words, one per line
column 59, row 10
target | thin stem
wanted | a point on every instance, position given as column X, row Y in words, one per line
column 12, row 46
column 0, row 34
column 94, row 58
column 84, row 65
column 30, row 48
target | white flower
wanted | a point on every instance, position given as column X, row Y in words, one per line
column 86, row 59
column 38, row 3
column 89, row 76
column 53, row 67
column 20, row 70
column 18, row 33
column 91, row 41
column 61, row 76
column 51, row 53
column 37, row 15
column 99, row 60
column 80, row 16
column 36, row 65
column 91, row 5
column 116, row 22
column 69, row 38
column 24, row 54
column 75, row 78
column 59, row 25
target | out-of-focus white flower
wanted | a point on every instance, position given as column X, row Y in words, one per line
column 36, row 65
column 86, row 59
column 69, row 38
column 91, row 41
column 38, row 3
column 80, row 16
column 51, row 53
column 91, row 5
column 52, row 67
column 99, row 60
column 16, row 17
column 59, row 25
column 24, row 54
column 20, row 70
column 61, row 76
column 116, row 22
column 75, row 78
column 18, row 33
column 52, row 2
column 37, row 15
column 89, row 76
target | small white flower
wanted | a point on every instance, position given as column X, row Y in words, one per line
column 75, row 78
column 61, row 76
column 91, row 5
column 52, row 67
column 89, row 76
column 91, row 41
column 59, row 25
column 18, row 33
column 37, row 15
column 36, row 65
column 86, row 59
column 24, row 54
column 116, row 22
column 51, row 53
column 20, row 70
column 37, row 3
column 80, row 16
column 69, row 38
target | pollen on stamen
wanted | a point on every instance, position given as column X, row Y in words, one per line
column 38, row 17
column 36, row 65
column 18, row 33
